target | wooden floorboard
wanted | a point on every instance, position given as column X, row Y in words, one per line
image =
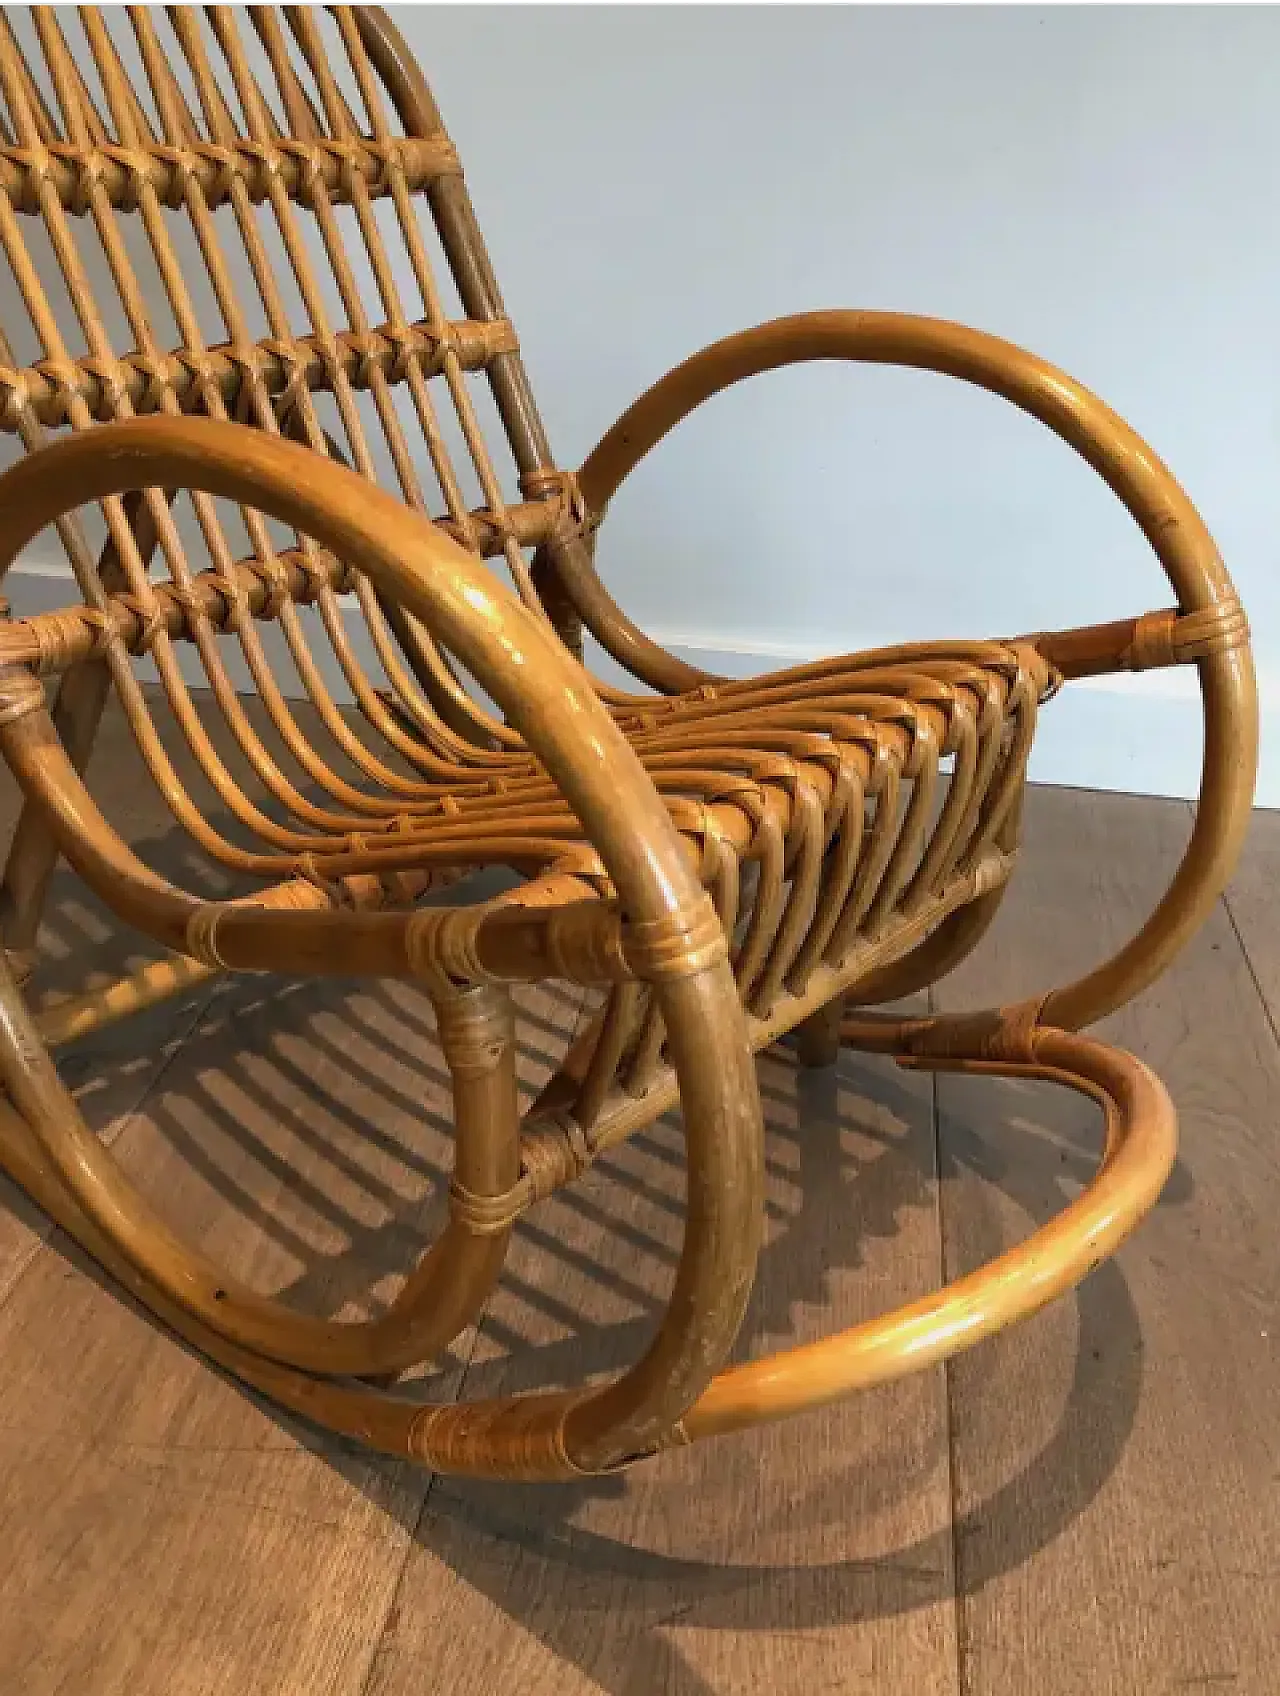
column 809, row 1558
column 161, row 1532
column 1113, row 1464
column 1118, row 1457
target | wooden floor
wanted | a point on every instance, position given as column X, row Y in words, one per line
column 1090, row 1504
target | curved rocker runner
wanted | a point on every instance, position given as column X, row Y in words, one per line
column 727, row 862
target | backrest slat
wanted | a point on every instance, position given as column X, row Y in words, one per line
column 126, row 553
column 204, row 218
column 126, row 118
column 261, row 191
column 217, row 139
column 287, row 223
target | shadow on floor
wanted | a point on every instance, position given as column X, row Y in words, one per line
column 350, row 1149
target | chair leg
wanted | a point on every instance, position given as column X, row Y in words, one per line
column 78, row 708
column 818, row 1037
column 46, row 1147
column 33, row 854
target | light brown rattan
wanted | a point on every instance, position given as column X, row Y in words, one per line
column 728, row 862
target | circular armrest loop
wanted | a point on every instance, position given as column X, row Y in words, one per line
column 515, row 657
column 1208, row 628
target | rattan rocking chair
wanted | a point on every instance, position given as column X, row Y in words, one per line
column 728, row 862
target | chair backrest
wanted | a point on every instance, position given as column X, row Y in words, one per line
column 222, row 211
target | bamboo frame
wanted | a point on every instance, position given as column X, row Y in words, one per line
column 730, row 862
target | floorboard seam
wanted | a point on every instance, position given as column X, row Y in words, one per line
column 366, row 1683
column 957, row 1611
column 957, row 1601
column 1243, row 946
column 20, row 1271
column 1267, row 1013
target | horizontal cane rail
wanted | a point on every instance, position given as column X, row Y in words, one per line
column 52, row 642
column 303, row 169
column 185, row 377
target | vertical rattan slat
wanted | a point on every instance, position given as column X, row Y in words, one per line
column 343, row 128
column 299, row 406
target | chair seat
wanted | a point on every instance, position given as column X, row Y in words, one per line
column 820, row 803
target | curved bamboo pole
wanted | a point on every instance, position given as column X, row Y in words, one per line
column 677, row 939
column 1139, row 1153
column 1147, row 489
column 1141, row 1145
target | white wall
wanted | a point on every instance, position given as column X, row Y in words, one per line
column 1099, row 184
